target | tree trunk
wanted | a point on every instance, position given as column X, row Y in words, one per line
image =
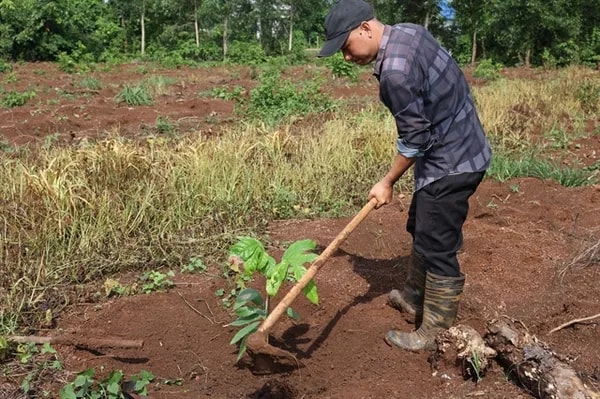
column 528, row 57
column 535, row 367
column 426, row 23
column 196, row 30
column 143, row 27
column 291, row 36
column 474, row 49
column 225, row 22
column 124, row 27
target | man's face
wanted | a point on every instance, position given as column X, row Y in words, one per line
column 360, row 47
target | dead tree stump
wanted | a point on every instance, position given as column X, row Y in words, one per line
column 462, row 347
column 533, row 365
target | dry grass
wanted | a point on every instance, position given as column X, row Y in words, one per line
column 587, row 257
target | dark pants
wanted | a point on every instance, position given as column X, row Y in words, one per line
column 435, row 220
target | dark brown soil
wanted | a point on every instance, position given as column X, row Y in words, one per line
column 519, row 237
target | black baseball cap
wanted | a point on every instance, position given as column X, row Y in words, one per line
column 344, row 16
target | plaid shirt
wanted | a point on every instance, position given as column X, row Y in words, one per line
column 430, row 99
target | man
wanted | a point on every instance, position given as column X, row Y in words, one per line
column 439, row 133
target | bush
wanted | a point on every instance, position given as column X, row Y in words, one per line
column 247, row 53
column 5, row 67
column 488, row 70
column 562, row 54
column 341, row 68
column 15, row 99
column 275, row 99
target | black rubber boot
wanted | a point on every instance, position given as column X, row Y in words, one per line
column 409, row 300
column 440, row 308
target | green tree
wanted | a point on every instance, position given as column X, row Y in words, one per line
column 470, row 17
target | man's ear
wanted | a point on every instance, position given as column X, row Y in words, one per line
column 365, row 26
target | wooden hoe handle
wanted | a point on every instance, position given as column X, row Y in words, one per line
column 282, row 306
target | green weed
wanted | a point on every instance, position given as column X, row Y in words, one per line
column 341, row 68
column 195, row 265
column 13, row 99
column 134, row 95
column 475, row 363
column 86, row 386
column 156, row 281
column 5, row 66
column 90, row 83
column 276, row 99
column 163, row 125
column 225, row 93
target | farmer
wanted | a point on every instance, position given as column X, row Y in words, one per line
column 439, row 133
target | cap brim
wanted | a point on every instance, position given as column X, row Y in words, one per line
column 332, row 46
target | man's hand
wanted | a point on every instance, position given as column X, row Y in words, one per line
column 382, row 192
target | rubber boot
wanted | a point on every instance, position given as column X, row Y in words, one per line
column 409, row 300
column 440, row 308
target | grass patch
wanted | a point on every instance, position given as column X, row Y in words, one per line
column 506, row 166
column 90, row 83
column 74, row 214
column 134, row 95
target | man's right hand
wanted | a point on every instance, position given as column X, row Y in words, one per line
column 382, row 192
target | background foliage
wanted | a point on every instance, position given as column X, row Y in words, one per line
column 512, row 32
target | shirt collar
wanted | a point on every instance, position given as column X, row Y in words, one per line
column 384, row 41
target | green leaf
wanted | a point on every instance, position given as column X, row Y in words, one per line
column 242, row 349
column 292, row 314
column 67, row 392
column 113, row 388
column 299, row 253
column 244, row 332
column 311, row 288
column 276, row 279
column 115, row 377
column 242, row 321
column 253, row 254
column 47, row 348
column 311, row 292
column 248, row 295
column 246, row 311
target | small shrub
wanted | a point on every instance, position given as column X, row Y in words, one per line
column 5, row 67
column 488, row 70
column 246, row 53
column 156, row 281
column 250, row 307
column 275, row 98
column 86, row 386
column 341, row 68
column 66, row 63
column 15, row 99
